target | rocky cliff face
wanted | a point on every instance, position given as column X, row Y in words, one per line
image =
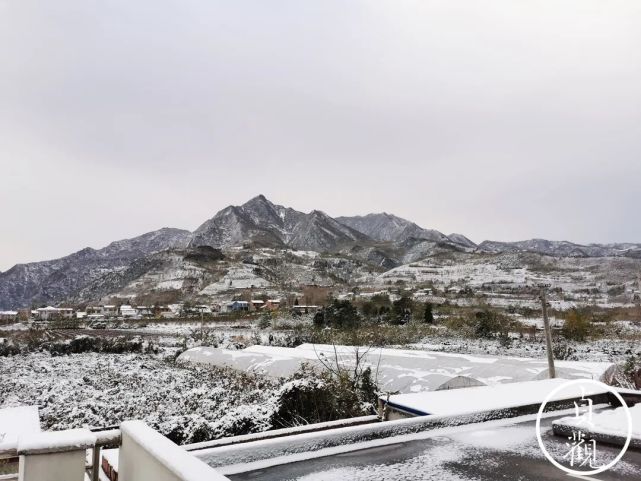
column 390, row 228
column 261, row 223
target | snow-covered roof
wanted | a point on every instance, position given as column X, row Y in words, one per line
column 485, row 398
column 399, row 370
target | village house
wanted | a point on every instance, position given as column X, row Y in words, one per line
column 170, row 311
column 145, row 311
column 236, row 306
column 95, row 317
column 48, row 313
column 305, row 309
column 314, row 294
column 109, row 311
column 257, row 305
column 8, row 315
column 272, row 305
column 129, row 312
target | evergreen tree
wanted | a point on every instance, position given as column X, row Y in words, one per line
column 428, row 316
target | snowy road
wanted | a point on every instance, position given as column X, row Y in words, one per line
column 482, row 454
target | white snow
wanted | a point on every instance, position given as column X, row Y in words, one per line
column 51, row 441
column 486, row 398
column 184, row 465
column 16, row 421
column 611, row 422
column 401, row 370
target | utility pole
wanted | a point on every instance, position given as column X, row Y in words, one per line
column 548, row 332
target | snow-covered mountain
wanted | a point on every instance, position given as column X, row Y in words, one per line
column 563, row 248
column 260, row 223
column 59, row 279
column 293, row 247
column 390, row 228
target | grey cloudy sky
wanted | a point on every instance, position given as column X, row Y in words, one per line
column 497, row 119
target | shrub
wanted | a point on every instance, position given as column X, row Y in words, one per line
column 428, row 315
column 342, row 314
column 563, row 351
column 486, row 324
column 402, row 310
column 8, row 348
column 312, row 397
column 576, row 326
column 265, row 320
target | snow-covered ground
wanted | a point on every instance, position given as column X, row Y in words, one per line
column 599, row 350
column 100, row 390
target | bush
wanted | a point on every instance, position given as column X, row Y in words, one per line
column 402, row 310
column 563, row 351
column 486, row 324
column 312, row 397
column 576, row 326
column 265, row 320
column 341, row 314
column 116, row 345
column 428, row 315
column 8, row 348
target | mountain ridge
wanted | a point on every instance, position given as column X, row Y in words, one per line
column 380, row 240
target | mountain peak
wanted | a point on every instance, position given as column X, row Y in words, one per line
column 260, row 198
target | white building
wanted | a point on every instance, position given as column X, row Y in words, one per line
column 129, row 312
column 48, row 313
column 145, row 311
column 8, row 315
column 109, row 311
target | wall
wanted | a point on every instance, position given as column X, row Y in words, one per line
column 69, row 466
column 146, row 455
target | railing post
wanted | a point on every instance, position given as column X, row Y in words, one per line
column 95, row 464
column 54, row 456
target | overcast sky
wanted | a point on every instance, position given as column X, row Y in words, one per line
column 500, row 120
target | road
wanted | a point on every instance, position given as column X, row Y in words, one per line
column 498, row 453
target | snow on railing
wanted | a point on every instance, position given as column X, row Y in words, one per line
column 146, row 455
column 54, row 454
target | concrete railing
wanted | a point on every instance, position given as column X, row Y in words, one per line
column 54, row 455
column 146, row 455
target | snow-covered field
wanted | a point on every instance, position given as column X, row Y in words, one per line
column 599, row 350
column 91, row 389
